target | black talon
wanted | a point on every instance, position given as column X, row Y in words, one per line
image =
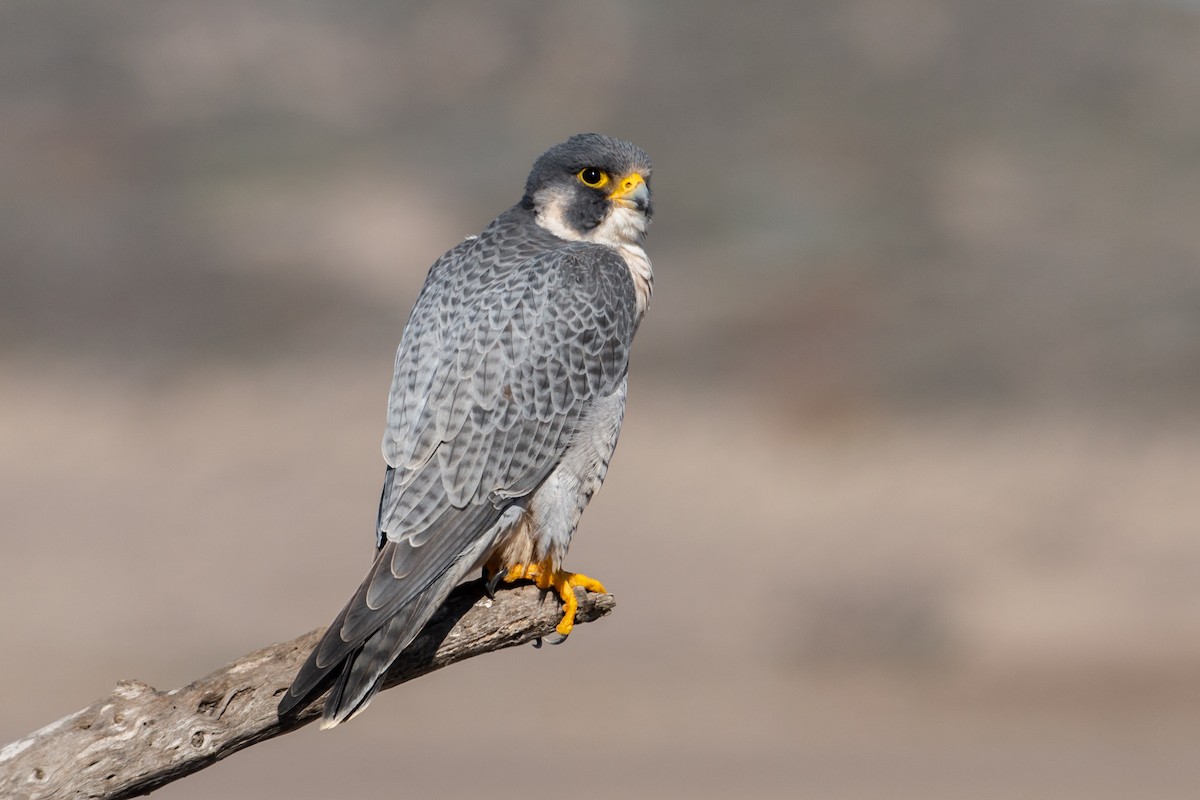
column 490, row 583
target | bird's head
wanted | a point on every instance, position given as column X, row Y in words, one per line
column 591, row 188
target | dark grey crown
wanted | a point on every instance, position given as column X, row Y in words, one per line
column 559, row 165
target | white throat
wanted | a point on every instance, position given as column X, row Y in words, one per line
column 623, row 230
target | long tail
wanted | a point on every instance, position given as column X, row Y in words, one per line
column 360, row 645
column 410, row 578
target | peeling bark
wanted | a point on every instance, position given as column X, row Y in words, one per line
column 138, row 738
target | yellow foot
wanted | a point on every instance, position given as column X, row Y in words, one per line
column 545, row 577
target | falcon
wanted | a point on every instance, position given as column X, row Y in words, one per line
column 505, row 407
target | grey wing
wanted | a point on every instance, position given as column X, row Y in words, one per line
column 495, row 369
column 489, row 384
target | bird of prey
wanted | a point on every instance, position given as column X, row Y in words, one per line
column 505, row 407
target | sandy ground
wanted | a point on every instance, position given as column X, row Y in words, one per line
column 943, row 608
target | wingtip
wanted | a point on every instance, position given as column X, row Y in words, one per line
column 289, row 704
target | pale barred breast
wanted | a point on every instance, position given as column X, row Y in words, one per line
column 642, row 273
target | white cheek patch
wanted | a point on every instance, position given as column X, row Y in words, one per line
column 551, row 214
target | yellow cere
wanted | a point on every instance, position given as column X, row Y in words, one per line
column 630, row 183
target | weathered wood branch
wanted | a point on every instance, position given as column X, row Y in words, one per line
column 139, row 738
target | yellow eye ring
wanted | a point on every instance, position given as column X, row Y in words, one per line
column 592, row 178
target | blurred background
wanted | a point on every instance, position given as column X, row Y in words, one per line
column 908, row 496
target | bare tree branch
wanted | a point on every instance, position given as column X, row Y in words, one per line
column 139, row 738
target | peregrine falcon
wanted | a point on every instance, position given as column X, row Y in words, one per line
column 505, row 407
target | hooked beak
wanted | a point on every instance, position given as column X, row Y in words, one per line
column 632, row 192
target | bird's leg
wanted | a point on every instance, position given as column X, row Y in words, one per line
column 546, row 577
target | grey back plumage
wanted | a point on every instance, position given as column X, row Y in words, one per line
column 513, row 335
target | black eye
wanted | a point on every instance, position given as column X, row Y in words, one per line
column 592, row 178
